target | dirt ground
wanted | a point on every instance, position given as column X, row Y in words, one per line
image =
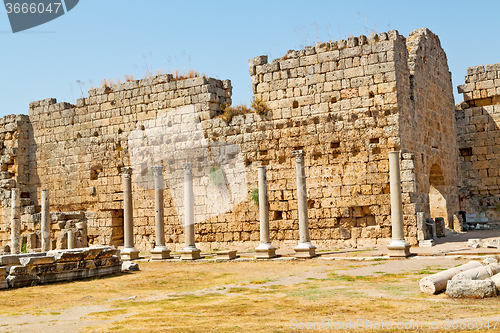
column 239, row 297
column 355, row 288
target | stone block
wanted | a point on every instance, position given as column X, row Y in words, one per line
column 474, row 242
column 440, row 227
column 3, row 282
column 30, row 261
column 471, row 288
column 130, row 266
column 226, row 255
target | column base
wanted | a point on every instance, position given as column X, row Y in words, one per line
column 190, row 253
column 399, row 249
column 129, row 254
column 265, row 251
column 159, row 253
column 305, row 251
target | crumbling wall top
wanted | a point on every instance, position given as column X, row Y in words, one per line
column 482, row 85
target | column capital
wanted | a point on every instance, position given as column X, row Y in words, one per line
column 299, row 155
column 157, row 170
column 127, row 172
column 188, row 168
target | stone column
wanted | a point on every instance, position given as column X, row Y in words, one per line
column 190, row 252
column 160, row 251
column 45, row 223
column 15, row 228
column 71, row 239
column 304, row 249
column 398, row 247
column 128, row 252
column 265, row 250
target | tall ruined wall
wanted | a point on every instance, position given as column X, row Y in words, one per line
column 478, row 124
column 428, row 127
column 345, row 94
column 14, row 163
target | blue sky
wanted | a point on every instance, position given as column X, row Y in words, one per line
column 107, row 39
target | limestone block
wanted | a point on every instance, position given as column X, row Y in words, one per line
column 440, row 227
column 474, row 242
column 226, row 255
column 130, row 266
column 471, row 288
column 3, row 282
column 492, row 243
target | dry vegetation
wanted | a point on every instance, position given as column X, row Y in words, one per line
column 176, row 76
column 242, row 297
column 228, row 112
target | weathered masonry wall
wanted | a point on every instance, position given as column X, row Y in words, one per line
column 14, row 164
column 77, row 151
column 478, row 123
column 346, row 103
column 338, row 101
column 428, row 128
column 367, row 96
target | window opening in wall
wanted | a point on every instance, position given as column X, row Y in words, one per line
column 465, row 151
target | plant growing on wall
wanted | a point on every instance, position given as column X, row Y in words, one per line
column 254, row 196
column 216, row 175
column 228, row 112
column 259, row 106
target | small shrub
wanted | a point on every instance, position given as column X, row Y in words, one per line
column 216, row 175
column 129, row 77
column 254, row 196
column 259, row 106
column 189, row 75
column 24, row 248
column 229, row 112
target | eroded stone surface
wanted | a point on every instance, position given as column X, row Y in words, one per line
column 471, row 288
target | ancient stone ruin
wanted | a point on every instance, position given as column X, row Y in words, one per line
column 31, row 269
column 346, row 104
column 473, row 279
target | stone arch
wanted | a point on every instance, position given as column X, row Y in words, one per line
column 437, row 193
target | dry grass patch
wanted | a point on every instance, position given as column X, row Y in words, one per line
column 242, row 297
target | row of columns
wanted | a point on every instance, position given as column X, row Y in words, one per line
column 15, row 228
column 265, row 250
column 398, row 247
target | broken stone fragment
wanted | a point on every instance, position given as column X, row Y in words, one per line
column 474, row 243
column 493, row 243
column 130, row 266
column 490, row 260
column 471, row 288
column 496, row 279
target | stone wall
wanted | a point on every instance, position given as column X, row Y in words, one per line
column 14, row 165
column 478, row 123
column 346, row 103
column 428, row 129
column 78, row 150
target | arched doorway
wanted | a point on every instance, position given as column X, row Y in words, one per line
column 437, row 199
